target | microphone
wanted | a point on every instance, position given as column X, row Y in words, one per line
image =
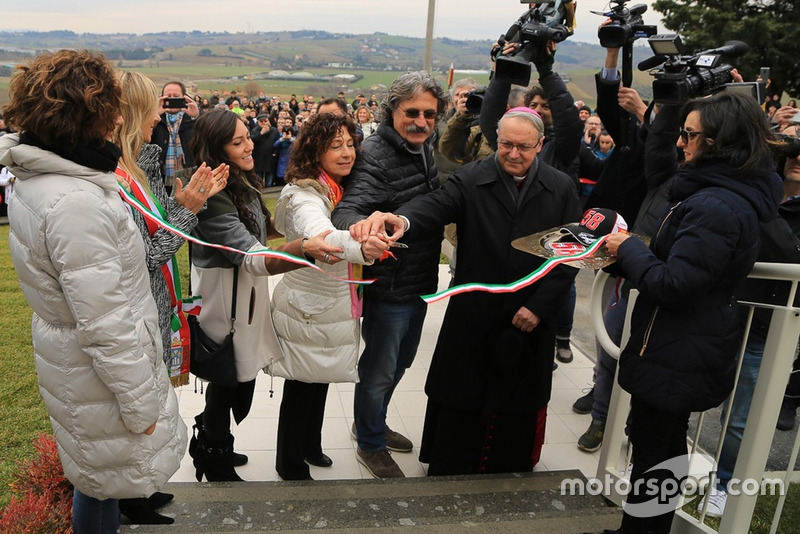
column 731, row 48
column 651, row 62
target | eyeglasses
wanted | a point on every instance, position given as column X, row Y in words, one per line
column 413, row 113
column 686, row 135
column 508, row 146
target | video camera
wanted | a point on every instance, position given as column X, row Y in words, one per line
column 683, row 77
column 546, row 21
column 626, row 25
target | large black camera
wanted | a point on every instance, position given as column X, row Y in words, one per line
column 475, row 100
column 542, row 23
column 683, row 77
column 626, row 25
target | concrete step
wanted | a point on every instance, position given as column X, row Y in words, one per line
column 530, row 502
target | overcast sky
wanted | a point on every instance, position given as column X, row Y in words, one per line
column 457, row 19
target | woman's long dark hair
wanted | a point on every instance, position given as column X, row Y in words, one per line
column 734, row 129
column 315, row 137
column 211, row 132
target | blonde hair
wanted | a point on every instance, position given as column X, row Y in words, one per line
column 139, row 104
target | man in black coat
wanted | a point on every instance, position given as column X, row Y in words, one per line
column 491, row 372
column 264, row 136
column 395, row 166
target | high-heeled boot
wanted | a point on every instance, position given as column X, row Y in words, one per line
column 214, row 460
column 140, row 512
column 198, row 430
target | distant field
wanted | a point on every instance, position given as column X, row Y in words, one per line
column 208, row 75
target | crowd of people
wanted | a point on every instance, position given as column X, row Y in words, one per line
column 368, row 190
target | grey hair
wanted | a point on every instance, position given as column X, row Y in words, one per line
column 516, row 96
column 471, row 82
column 533, row 118
column 406, row 87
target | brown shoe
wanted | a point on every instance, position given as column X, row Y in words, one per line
column 397, row 442
column 379, row 463
column 394, row 440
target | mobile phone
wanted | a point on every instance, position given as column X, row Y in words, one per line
column 764, row 72
column 795, row 118
column 174, row 103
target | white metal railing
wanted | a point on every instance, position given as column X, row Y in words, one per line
column 779, row 352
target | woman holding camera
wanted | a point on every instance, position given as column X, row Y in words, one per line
column 80, row 259
column 316, row 317
column 685, row 330
column 236, row 217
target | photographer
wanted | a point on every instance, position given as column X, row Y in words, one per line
column 461, row 140
column 173, row 133
column 283, row 147
column 553, row 102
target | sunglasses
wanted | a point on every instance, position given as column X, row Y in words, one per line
column 413, row 113
column 686, row 135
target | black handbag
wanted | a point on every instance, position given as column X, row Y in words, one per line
column 211, row 361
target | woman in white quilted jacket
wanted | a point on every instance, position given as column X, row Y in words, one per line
column 316, row 316
column 81, row 265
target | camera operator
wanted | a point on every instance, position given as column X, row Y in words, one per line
column 553, row 102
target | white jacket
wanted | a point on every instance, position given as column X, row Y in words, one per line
column 312, row 312
column 80, row 261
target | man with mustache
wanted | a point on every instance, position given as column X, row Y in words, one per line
column 396, row 165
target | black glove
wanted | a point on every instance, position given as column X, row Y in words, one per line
column 544, row 63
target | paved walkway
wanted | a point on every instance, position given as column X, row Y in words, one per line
column 256, row 436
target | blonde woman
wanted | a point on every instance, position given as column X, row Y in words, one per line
column 140, row 173
column 365, row 119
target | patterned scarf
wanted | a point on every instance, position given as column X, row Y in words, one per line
column 174, row 156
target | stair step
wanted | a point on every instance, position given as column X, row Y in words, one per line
column 508, row 503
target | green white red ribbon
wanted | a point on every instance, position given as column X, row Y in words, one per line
column 265, row 251
column 535, row 276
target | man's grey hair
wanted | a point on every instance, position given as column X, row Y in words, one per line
column 463, row 82
column 529, row 116
column 406, row 87
column 516, row 96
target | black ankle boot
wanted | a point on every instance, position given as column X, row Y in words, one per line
column 139, row 512
column 198, row 432
column 215, row 461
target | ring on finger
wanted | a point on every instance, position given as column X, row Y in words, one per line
column 202, row 190
column 327, row 256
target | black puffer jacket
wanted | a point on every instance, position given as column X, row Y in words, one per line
column 387, row 175
column 685, row 330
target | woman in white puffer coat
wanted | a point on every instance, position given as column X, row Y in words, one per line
column 316, row 316
column 80, row 262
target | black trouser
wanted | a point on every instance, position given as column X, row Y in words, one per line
column 299, row 427
column 220, row 400
column 656, row 436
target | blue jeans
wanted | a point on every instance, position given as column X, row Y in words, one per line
column 93, row 516
column 740, row 407
column 391, row 334
column 606, row 366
